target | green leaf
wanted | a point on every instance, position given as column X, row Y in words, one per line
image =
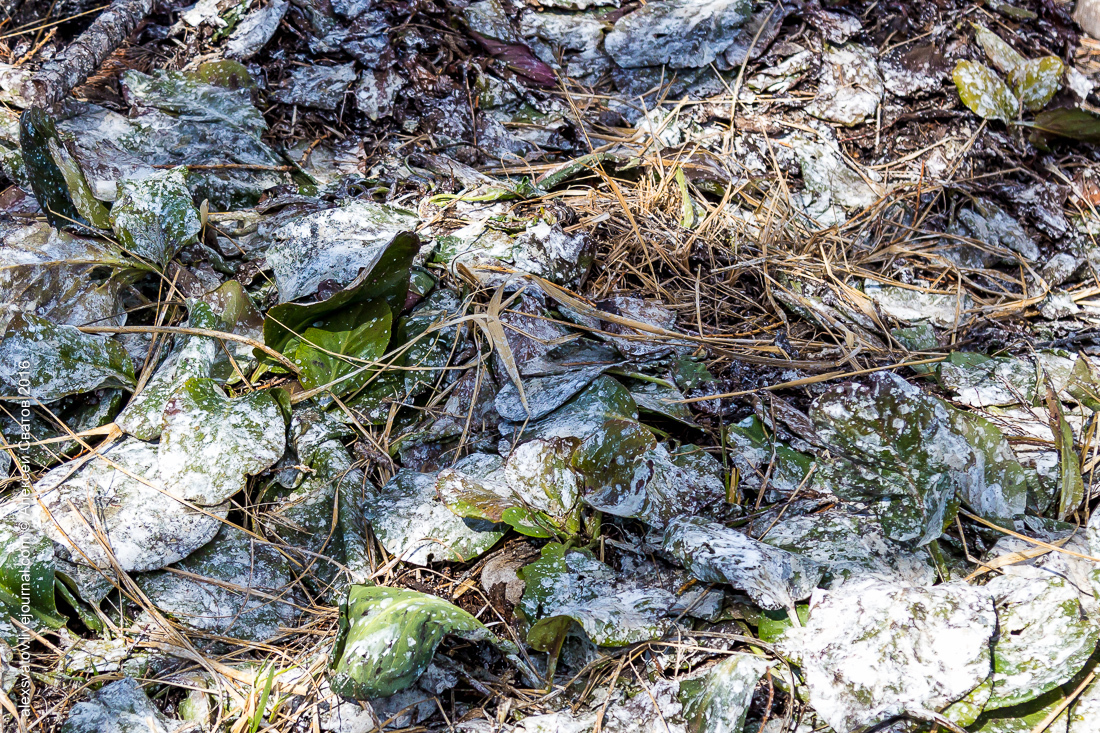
column 79, row 190
column 1084, row 385
column 1045, row 637
column 1068, row 122
column 154, row 217
column 386, row 279
column 984, row 92
column 303, row 518
column 718, row 700
column 1072, row 483
column 26, row 573
column 58, row 360
column 1000, row 54
column 388, row 637
column 713, row 553
column 191, row 357
column 1012, row 11
column 1037, row 81
column 361, row 332
column 412, row 522
column 49, row 183
column 913, row 453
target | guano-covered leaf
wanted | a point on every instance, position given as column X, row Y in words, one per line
column 154, row 217
column 384, row 277
column 567, row 586
column 534, row 490
column 211, row 442
column 713, row 553
column 388, row 637
column 412, row 522
column 1044, row 637
column 984, row 92
column 191, row 357
column 26, row 573
column 872, row 650
column 1037, row 81
column 718, row 700
column 1003, row 56
column 236, row 586
column 59, row 360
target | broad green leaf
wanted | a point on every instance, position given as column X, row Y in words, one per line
column 901, row 445
column 388, row 637
column 154, row 217
column 984, row 92
column 60, row 276
column 662, row 400
column 333, row 244
column 145, row 526
column 544, row 394
column 1037, row 81
column 432, row 345
column 60, row 360
column 79, row 190
column 1067, row 122
column 610, row 459
column 1012, row 11
column 1000, row 493
column 1045, row 637
column 26, row 572
column 1084, row 384
column 570, row 586
column 848, row 545
column 144, row 494
column 387, row 278
column 361, row 333
column 210, row 442
column 1003, row 56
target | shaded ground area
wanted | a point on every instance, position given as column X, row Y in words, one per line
column 555, row 367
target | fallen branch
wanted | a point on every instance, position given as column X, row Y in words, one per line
column 86, row 53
